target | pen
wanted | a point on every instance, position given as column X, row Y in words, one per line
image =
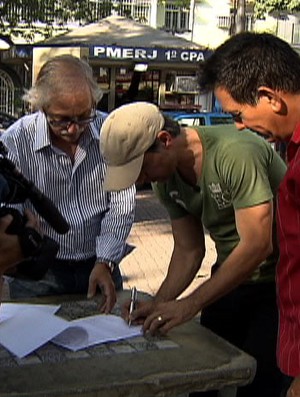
column 132, row 303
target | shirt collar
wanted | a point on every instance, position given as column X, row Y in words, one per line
column 94, row 132
column 296, row 135
column 42, row 138
column 293, row 144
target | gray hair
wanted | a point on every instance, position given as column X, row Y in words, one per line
column 61, row 74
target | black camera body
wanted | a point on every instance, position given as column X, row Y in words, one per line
column 38, row 250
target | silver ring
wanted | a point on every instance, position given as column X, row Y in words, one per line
column 159, row 318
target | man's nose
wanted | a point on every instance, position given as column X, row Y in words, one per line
column 73, row 127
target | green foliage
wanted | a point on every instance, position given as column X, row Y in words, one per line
column 23, row 16
column 263, row 7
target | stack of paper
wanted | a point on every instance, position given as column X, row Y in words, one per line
column 24, row 328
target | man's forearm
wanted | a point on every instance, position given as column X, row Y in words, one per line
column 115, row 229
column 182, row 270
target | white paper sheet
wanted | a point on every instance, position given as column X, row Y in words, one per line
column 10, row 309
column 24, row 328
column 30, row 329
column 93, row 330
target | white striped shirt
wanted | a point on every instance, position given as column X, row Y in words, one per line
column 99, row 221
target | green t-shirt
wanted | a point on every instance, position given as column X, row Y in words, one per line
column 239, row 170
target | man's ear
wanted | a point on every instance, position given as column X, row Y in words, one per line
column 272, row 97
column 165, row 137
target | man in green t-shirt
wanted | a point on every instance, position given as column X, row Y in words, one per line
column 224, row 181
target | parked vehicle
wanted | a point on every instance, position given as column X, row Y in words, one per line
column 200, row 118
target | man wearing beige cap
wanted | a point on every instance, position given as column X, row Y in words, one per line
column 225, row 181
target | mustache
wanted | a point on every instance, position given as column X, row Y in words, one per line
column 64, row 132
column 67, row 133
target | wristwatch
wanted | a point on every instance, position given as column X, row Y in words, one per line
column 110, row 264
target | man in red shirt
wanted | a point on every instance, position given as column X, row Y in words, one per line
column 256, row 78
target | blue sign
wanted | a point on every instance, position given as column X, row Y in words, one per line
column 148, row 55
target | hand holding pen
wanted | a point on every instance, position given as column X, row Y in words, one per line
column 133, row 299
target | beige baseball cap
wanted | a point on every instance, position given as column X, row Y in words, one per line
column 126, row 134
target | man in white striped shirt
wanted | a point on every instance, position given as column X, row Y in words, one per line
column 58, row 149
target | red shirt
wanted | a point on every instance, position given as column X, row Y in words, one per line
column 288, row 269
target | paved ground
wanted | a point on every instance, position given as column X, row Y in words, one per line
column 146, row 266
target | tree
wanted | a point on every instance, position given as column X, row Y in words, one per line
column 263, row 7
column 238, row 22
column 241, row 16
column 28, row 17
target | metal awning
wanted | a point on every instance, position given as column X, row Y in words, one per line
column 120, row 31
column 118, row 38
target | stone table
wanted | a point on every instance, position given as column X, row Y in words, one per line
column 190, row 358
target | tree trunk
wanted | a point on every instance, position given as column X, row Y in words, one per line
column 241, row 16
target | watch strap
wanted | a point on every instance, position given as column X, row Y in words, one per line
column 110, row 264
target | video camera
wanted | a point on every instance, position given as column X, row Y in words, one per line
column 16, row 189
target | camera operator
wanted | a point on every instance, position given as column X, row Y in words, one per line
column 11, row 251
column 34, row 250
column 10, row 248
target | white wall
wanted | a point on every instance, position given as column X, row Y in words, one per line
column 205, row 31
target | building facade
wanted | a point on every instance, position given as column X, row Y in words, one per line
column 205, row 23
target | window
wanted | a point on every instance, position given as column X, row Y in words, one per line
column 176, row 18
column 221, row 120
column 6, row 93
column 189, row 122
column 137, row 9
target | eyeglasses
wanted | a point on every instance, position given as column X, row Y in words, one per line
column 65, row 124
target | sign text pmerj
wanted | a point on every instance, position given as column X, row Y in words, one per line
column 143, row 54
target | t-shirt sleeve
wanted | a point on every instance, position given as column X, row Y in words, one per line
column 245, row 167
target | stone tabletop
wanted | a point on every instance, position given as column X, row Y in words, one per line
column 190, row 358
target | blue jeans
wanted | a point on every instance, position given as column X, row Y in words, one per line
column 61, row 278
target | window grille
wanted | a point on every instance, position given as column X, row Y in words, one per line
column 6, row 93
column 176, row 18
column 137, row 9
